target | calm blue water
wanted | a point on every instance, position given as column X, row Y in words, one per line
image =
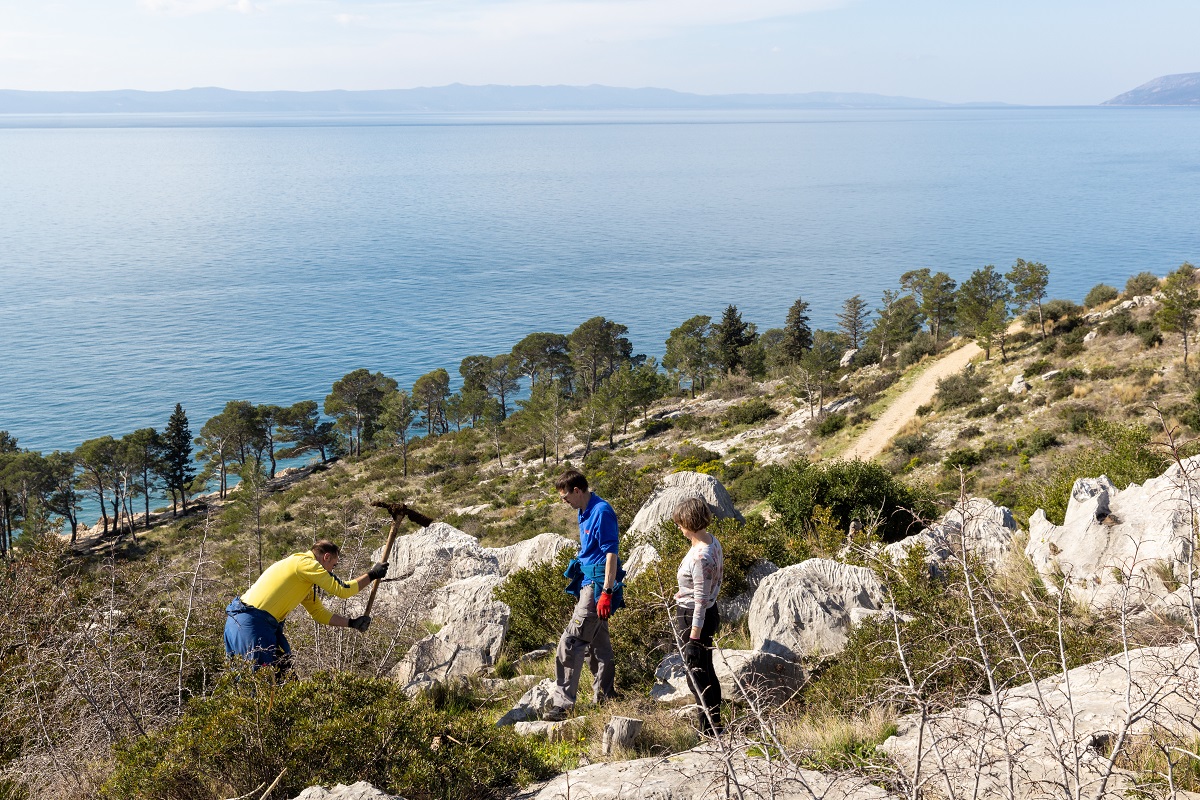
column 148, row 261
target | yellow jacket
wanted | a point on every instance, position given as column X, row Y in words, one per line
column 294, row 581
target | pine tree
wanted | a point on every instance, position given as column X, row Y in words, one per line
column 729, row 336
column 1179, row 305
column 1029, row 280
column 177, row 469
column 853, row 319
column 797, row 335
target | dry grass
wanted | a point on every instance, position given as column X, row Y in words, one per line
column 836, row 742
column 1128, row 393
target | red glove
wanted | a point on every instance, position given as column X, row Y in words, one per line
column 604, row 605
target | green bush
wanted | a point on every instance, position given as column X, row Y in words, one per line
column 962, row 458
column 655, row 427
column 1118, row 325
column 912, row 445
column 1140, row 284
column 1038, row 367
column 540, row 606
column 750, row 412
column 330, row 728
column 847, row 490
column 752, row 485
column 970, row 432
column 962, row 389
column 1099, row 294
column 830, row 424
column 984, row 409
column 1055, row 310
column 624, row 487
column 921, row 345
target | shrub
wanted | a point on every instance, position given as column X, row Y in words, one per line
column 1118, row 325
column 848, row 490
column 1040, row 441
column 912, row 445
column 1100, row 294
column 624, row 487
column 829, row 425
column 688, row 422
column 1140, row 284
column 1056, row 310
column 1038, row 367
column 750, row 412
column 540, row 607
column 984, row 409
column 869, row 390
column 962, row 458
column 970, row 432
column 920, row 346
column 753, row 485
column 960, row 390
column 656, row 427
column 1150, row 335
column 331, row 728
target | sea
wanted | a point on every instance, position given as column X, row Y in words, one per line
column 149, row 260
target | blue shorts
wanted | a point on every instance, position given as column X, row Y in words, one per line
column 255, row 635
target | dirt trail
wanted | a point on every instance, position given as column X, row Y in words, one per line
column 904, row 407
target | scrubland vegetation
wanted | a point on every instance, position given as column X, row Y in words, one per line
column 112, row 671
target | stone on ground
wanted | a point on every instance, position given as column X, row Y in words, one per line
column 675, row 488
column 358, row 791
column 1121, row 546
column 532, row 705
column 804, row 610
column 1046, row 744
column 702, row 773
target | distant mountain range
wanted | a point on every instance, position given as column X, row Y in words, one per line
column 1169, row 90
column 455, row 97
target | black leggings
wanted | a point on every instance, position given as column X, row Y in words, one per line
column 702, row 677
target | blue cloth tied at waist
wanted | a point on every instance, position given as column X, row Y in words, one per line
column 578, row 574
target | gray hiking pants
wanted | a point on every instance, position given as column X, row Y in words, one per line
column 586, row 634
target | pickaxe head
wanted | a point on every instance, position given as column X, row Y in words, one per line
column 396, row 510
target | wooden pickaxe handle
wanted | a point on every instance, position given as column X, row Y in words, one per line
column 397, row 510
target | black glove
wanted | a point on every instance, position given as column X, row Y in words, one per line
column 359, row 624
column 378, row 571
column 692, row 652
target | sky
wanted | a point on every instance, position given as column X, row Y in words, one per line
column 1041, row 52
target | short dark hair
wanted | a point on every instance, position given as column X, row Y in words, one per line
column 324, row 546
column 692, row 514
column 570, row 480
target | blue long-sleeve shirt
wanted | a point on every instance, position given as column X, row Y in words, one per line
column 597, row 533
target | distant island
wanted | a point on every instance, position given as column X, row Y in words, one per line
column 456, row 97
column 1169, row 90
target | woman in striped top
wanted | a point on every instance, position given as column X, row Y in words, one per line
column 696, row 616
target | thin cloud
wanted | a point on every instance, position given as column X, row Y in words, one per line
column 186, row 7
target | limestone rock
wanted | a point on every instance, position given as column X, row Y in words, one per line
column 458, row 649
column 700, row 774
column 540, row 549
column 847, row 357
column 744, row 674
column 804, row 610
column 640, row 557
column 550, row 731
column 978, row 526
column 1019, row 385
column 532, row 705
column 1048, row 738
column 358, row 791
column 1090, row 335
column 1121, row 546
column 672, row 490
column 470, row 599
column 423, row 561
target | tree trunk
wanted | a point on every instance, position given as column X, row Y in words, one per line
column 146, row 491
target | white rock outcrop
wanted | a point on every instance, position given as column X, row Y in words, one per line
column 675, row 488
column 1048, row 740
column 805, row 610
column 703, row 773
column 1019, row 385
column 358, row 791
column 734, row 609
column 744, row 675
column 640, row 557
column 977, row 528
column 1121, row 546
column 442, row 575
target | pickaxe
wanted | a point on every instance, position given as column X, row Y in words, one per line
column 398, row 512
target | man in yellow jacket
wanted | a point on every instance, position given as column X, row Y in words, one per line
column 254, row 621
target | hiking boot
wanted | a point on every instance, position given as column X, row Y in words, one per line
column 554, row 714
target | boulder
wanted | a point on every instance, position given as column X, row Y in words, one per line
column 847, row 357
column 1019, row 385
column 978, row 526
column 423, row 561
column 461, row 648
column 470, row 599
column 675, row 488
column 703, row 773
column 358, row 791
column 640, row 557
column 744, row 674
column 1090, row 336
column 804, row 610
column 1120, row 546
column 550, row 731
column 540, row 549
column 1051, row 738
column 532, row 705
